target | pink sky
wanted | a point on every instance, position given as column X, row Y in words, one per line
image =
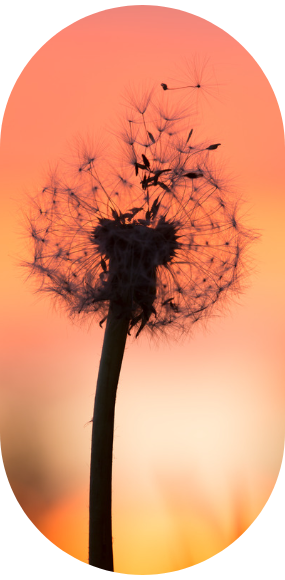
column 202, row 422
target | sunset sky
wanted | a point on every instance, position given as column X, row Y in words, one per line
column 199, row 431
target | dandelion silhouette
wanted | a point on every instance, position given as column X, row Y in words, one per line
column 154, row 245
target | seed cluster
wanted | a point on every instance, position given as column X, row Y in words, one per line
column 159, row 235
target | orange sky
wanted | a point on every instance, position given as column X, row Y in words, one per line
column 200, row 428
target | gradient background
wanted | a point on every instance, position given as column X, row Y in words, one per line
column 199, row 425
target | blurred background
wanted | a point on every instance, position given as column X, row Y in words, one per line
column 199, row 430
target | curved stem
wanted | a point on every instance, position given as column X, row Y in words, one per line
column 100, row 526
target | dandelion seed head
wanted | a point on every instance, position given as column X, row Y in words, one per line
column 149, row 227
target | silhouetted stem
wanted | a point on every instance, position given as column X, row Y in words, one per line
column 100, row 525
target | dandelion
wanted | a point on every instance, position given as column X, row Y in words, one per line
column 153, row 244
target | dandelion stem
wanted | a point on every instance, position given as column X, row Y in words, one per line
column 100, row 526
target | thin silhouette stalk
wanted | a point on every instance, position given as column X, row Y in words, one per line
column 100, row 504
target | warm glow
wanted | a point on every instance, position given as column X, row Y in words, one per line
column 200, row 422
